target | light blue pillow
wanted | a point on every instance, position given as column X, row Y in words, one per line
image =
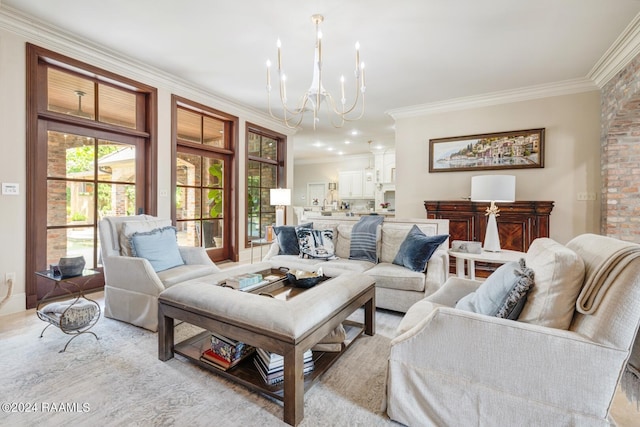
column 159, row 246
column 503, row 294
column 417, row 248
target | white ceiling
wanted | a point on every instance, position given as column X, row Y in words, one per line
column 416, row 51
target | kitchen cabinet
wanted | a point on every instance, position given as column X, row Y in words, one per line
column 356, row 185
column 350, row 185
column 386, row 167
column 368, row 185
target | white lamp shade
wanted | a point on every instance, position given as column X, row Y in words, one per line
column 493, row 188
column 280, row 197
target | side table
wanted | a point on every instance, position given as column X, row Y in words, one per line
column 261, row 243
column 501, row 257
column 73, row 316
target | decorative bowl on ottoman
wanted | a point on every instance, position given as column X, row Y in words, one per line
column 71, row 266
column 305, row 279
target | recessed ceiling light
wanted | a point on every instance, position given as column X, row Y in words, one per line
column 317, row 144
column 347, row 142
column 354, row 132
column 330, row 148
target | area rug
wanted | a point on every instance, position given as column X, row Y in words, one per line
column 118, row 380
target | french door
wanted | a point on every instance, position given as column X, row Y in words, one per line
column 89, row 174
column 202, row 195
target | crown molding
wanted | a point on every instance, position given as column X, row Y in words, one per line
column 623, row 50
column 66, row 43
column 566, row 87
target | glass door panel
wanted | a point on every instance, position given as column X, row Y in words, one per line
column 189, row 233
column 200, row 200
column 188, row 203
column 87, row 179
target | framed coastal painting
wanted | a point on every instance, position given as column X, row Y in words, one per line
column 518, row 149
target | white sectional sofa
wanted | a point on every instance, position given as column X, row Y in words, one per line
column 397, row 287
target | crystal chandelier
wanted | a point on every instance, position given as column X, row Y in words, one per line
column 311, row 100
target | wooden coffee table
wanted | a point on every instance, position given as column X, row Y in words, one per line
column 209, row 311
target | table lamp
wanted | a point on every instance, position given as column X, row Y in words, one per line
column 493, row 188
column 280, row 197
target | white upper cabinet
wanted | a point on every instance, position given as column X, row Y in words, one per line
column 385, row 167
column 350, row 185
column 357, row 184
column 368, row 184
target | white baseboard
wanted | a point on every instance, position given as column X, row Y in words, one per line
column 15, row 304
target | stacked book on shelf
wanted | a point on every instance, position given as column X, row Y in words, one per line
column 225, row 353
column 271, row 365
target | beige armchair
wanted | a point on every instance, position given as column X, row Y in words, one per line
column 132, row 285
column 454, row 367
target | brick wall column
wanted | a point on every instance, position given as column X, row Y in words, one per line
column 620, row 154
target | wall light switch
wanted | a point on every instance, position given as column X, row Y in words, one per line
column 9, row 189
column 584, row 196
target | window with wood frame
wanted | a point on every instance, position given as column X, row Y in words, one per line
column 90, row 153
column 266, row 154
column 203, row 164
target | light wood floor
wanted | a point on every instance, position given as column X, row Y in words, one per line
column 623, row 412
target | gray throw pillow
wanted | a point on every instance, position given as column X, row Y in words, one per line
column 503, row 294
column 288, row 239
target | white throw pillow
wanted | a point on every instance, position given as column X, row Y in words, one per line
column 315, row 243
column 559, row 275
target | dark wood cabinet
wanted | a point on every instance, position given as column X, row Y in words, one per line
column 519, row 222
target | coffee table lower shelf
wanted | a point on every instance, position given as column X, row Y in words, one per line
column 247, row 374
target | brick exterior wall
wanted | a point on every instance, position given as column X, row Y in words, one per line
column 620, row 154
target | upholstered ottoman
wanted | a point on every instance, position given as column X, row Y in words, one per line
column 286, row 327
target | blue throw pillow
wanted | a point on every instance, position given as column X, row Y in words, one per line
column 159, row 246
column 417, row 248
column 503, row 294
column 288, row 239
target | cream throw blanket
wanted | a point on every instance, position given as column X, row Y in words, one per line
column 597, row 282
